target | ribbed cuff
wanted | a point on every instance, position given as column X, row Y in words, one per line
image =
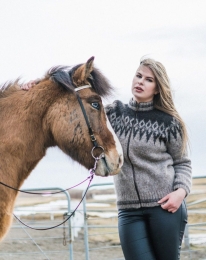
column 183, row 187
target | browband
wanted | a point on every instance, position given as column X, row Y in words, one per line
column 82, row 87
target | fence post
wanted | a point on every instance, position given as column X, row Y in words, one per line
column 86, row 243
column 186, row 238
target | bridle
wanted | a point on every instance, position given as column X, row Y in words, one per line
column 91, row 171
column 92, row 136
column 93, row 139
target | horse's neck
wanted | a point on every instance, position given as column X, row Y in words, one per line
column 23, row 139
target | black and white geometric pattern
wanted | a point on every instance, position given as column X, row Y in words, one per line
column 149, row 123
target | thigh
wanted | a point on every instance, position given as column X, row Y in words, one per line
column 134, row 238
column 166, row 231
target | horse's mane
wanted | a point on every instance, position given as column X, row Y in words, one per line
column 63, row 76
column 9, row 87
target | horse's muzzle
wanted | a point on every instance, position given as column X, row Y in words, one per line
column 107, row 167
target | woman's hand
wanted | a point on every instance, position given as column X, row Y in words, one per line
column 30, row 84
column 172, row 201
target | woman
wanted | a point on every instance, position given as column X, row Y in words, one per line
column 156, row 175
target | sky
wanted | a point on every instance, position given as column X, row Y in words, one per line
column 39, row 34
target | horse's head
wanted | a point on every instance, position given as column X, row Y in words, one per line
column 84, row 84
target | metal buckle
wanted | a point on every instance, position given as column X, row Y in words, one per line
column 93, row 139
column 101, row 155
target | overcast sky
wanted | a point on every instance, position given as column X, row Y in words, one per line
column 38, row 34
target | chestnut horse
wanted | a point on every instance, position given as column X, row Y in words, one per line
column 49, row 115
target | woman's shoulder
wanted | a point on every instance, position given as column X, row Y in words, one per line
column 165, row 117
column 115, row 106
column 167, row 123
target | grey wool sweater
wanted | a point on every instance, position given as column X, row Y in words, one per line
column 153, row 163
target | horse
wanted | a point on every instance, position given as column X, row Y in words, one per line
column 47, row 115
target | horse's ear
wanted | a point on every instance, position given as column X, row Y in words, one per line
column 82, row 73
column 89, row 66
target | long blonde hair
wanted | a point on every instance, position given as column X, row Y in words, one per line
column 163, row 100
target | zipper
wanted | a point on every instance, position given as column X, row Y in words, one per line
column 133, row 172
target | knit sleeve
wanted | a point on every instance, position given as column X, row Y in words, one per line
column 181, row 162
column 110, row 108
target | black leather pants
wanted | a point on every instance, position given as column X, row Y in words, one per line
column 152, row 233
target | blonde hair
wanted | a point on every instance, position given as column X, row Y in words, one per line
column 163, row 100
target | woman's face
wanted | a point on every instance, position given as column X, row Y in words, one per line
column 144, row 85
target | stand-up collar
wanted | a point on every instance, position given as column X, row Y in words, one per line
column 145, row 106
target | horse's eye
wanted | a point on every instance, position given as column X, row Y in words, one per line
column 95, row 105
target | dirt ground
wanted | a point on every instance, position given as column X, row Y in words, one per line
column 19, row 245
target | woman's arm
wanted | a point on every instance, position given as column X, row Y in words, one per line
column 183, row 172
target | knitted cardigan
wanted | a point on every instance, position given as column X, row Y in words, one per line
column 153, row 163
